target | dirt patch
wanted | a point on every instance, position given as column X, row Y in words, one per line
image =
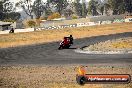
column 61, row 76
column 11, row 40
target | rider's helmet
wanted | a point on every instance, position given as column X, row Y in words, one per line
column 70, row 35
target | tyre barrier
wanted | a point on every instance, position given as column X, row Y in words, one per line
column 83, row 24
column 61, row 26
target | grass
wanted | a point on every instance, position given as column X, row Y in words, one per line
column 61, row 76
column 123, row 44
column 17, row 39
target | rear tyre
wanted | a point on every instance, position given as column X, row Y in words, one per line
column 68, row 46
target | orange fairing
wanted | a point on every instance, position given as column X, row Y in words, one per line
column 81, row 70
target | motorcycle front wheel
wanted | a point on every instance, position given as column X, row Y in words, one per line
column 60, row 48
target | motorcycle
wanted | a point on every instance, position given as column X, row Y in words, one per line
column 64, row 45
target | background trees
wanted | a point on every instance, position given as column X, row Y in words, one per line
column 26, row 6
column 84, row 9
column 80, row 8
column 92, row 8
column 117, row 7
column 128, row 6
column 120, row 6
column 38, row 8
column 68, row 12
column 7, row 11
column 60, row 5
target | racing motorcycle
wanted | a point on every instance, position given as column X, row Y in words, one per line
column 65, row 44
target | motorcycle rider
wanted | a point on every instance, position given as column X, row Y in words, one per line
column 66, row 43
column 12, row 30
column 71, row 39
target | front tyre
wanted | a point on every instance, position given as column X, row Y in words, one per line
column 60, row 48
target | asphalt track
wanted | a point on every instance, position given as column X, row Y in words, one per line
column 49, row 54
